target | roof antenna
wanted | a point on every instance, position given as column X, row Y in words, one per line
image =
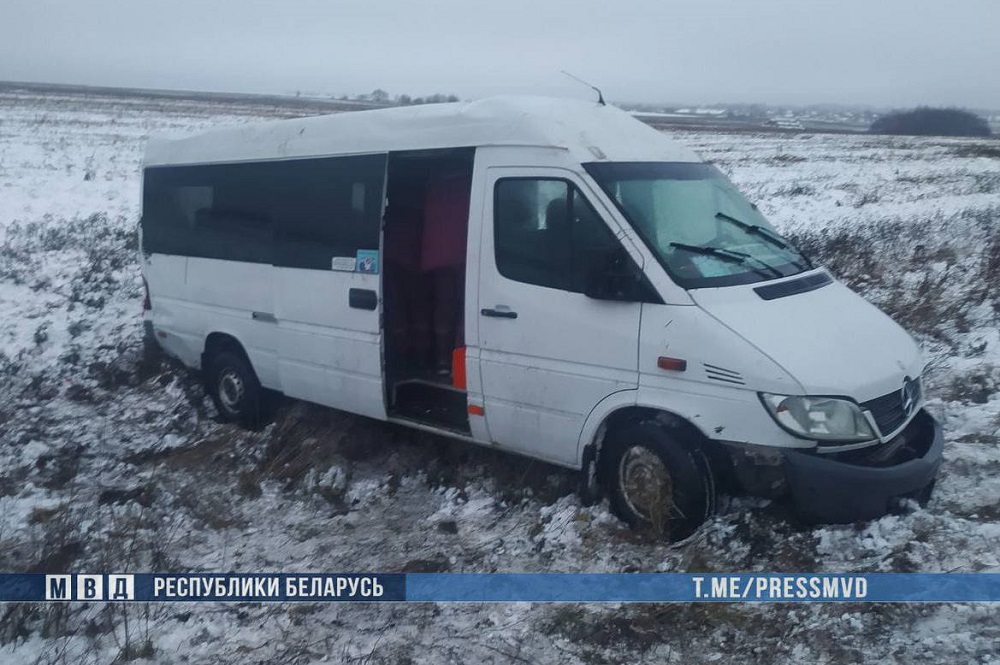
column 600, row 95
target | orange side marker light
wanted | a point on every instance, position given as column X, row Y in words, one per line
column 675, row 364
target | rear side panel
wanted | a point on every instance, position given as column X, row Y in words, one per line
column 193, row 297
column 283, row 256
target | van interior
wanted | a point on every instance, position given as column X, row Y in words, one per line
column 423, row 285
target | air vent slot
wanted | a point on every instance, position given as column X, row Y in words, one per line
column 723, row 374
column 794, row 286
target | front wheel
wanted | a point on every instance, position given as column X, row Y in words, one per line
column 655, row 481
column 235, row 389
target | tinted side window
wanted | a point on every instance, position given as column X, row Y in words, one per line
column 298, row 213
column 546, row 233
column 331, row 209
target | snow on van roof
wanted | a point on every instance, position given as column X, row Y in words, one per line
column 589, row 131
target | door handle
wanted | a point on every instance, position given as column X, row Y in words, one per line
column 499, row 313
column 362, row 299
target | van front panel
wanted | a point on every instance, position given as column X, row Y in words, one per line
column 548, row 354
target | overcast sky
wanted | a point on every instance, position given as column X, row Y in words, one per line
column 878, row 52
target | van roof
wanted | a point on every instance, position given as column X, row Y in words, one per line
column 589, row 131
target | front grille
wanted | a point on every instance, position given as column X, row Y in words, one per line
column 888, row 410
column 912, row 443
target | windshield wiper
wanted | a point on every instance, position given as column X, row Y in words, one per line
column 761, row 232
column 729, row 255
column 764, row 264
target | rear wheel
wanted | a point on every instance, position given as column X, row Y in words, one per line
column 235, row 389
column 657, row 482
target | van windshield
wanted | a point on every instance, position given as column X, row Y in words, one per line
column 699, row 225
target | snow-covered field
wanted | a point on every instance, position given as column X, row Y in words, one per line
column 110, row 459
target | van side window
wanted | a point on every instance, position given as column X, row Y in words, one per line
column 211, row 212
column 331, row 208
column 546, row 233
column 295, row 213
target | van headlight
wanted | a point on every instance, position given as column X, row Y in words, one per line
column 820, row 418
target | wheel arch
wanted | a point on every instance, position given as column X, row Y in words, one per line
column 623, row 415
column 219, row 341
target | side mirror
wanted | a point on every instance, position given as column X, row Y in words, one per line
column 614, row 276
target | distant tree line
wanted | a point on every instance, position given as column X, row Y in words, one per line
column 927, row 121
column 380, row 96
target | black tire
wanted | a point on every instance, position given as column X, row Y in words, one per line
column 234, row 389
column 655, row 481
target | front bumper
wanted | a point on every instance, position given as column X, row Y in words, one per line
column 866, row 484
column 848, row 486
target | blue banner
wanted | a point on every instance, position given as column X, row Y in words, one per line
column 503, row 587
column 682, row 587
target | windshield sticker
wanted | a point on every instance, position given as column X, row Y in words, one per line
column 367, row 260
column 343, row 263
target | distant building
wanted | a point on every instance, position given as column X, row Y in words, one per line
column 703, row 111
column 785, row 123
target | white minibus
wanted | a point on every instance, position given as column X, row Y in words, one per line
column 548, row 277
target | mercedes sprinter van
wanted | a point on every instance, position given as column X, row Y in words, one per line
column 548, row 277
